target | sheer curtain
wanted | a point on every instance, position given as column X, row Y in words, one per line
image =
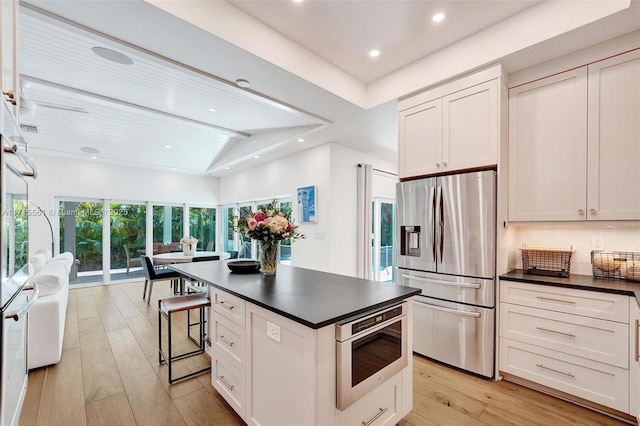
column 365, row 200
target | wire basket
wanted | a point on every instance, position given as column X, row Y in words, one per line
column 616, row 265
column 550, row 262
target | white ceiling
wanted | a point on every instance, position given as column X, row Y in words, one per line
column 307, row 63
column 343, row 32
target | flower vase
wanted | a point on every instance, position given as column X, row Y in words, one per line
column 188, row 249
column 269, row 257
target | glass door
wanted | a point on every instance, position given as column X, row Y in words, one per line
column 127, row 230
column 383, row 240
column 168, row 228
column 81, row 234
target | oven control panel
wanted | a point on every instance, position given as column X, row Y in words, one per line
column 350, row 328
column 367, row 323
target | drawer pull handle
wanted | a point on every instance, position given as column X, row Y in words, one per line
column 380, row 412
column 224, row 305
column 570, row 302
column 556, row 332
column 556, row 371
column 224, row 382
column 637, row 343
column 225, row 340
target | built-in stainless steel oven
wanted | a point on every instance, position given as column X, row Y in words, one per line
column 370, row 349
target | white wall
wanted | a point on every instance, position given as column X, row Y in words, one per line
column 331, row 242
column 58, row 177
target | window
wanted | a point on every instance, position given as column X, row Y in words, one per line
column 202, row 226
column 167, row 224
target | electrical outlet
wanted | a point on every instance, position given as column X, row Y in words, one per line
column 273, row 331
column 597, row 243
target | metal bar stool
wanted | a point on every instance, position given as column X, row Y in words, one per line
column 169, row 306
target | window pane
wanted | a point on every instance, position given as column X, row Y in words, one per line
column 229, row 232
column 285, row 245
column 387, row 248
column 81, row 234
column 202, row 226
column 245, row 247
column 167, row 228
column 128, row 226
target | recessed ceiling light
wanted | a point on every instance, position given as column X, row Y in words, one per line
column 300, row 140
column 89, row 150
column 226, row 168
column 175, row 168
column 112, row 55
column 256, row 156
column 212, row 109
column 94, row 157
column 374, row 53
column 168, row 146
column 298, row 1
column 438, row 17
column 241, row 82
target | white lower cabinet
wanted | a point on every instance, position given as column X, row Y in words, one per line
column 229, row 382
column 380, row 407
column 634, row 356
column 274, row 371
column 573, row 341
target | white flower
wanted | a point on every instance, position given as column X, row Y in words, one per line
column 189, row 240
column 278, row 224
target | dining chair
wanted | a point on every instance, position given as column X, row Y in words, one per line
column 131, row 262
column 152, row 275
column 233, row 254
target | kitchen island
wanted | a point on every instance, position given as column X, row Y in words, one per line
column 274, row 350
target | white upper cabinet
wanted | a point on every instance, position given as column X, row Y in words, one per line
column 547, row 148
column 574, row 144
column 614, row 138
column 420, row 150
column 452, row 127
column 9, row 80
column 470, row 132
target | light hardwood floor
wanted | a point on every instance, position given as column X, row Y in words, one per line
column 109, row 375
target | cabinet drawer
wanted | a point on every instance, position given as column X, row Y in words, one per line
column 596, row 339
column 380, row 407
column 228, row 340
column 229, row 306
column 607, row 306
column 593, row 381
column 230, row 383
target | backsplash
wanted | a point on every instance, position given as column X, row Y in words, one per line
column 614, row 237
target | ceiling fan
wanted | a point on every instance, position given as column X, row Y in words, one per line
column 29, row 106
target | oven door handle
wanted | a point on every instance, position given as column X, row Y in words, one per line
column 451, row 311
column 430, row 281
column 15, row 315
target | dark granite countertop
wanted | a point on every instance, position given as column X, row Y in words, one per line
column 580, row 282
column 312, row 298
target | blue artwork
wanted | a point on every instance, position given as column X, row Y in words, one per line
column 307, row 204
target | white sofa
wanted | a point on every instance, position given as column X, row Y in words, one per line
column 48, row 314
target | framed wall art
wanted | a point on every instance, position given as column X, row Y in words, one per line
column 307, row 204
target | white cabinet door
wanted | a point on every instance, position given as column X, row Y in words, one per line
column 634, row 355
column 470, row 130
column 8, row 50
column 420, row 148
column 614, row 138
column 548, row 148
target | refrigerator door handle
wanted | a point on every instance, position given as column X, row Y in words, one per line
column 451, row 311
column 452, row 283
column 441, row 226
column 432, row 202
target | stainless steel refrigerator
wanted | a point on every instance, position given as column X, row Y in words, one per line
column 447, row 247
